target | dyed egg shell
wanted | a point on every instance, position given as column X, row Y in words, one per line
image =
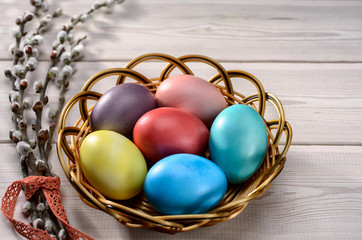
column 165, row 131
column 184, row 184
column 238, row 142
column 192, row 94
column 112, row 164
column 120, row 108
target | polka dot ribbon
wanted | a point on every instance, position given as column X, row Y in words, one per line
column 50, row 187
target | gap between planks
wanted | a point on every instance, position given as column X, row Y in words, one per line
column 218, row 60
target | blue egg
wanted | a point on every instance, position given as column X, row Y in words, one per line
column 184, row 184
column 238, row 142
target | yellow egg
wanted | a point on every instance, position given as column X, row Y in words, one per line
column 112, row 164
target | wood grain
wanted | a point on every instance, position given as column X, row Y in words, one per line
column 318, row 195
column 307, row 53
column 323, row 102
column 277, row 31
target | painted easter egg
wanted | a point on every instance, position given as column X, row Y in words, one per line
column 184, row 184
column 192, row 94
column 112, row 164
column 165, row 131
column 238, row 142
column 120, row 107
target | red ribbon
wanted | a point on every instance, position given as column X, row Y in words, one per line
column 50, row 186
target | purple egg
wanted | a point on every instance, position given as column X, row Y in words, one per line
column 120, row 107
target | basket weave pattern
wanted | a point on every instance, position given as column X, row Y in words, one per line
column 137, row 212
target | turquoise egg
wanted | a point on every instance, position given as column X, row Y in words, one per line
column 184, row 184
column 238, row 142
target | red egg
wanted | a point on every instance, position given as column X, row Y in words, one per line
column 165, row 131
column 192, row 94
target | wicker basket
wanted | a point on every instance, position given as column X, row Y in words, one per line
column 136, row 212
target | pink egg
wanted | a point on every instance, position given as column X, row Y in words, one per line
column 192, row 94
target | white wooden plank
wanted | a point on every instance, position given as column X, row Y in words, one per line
column 307, row 53
column 323, row 102
column 317, row 196
column 233, row 30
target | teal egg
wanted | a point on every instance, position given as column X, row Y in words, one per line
column 238, row 142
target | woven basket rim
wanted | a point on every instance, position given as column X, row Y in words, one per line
column 138, row 214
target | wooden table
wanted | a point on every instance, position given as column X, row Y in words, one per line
column 308, row 53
